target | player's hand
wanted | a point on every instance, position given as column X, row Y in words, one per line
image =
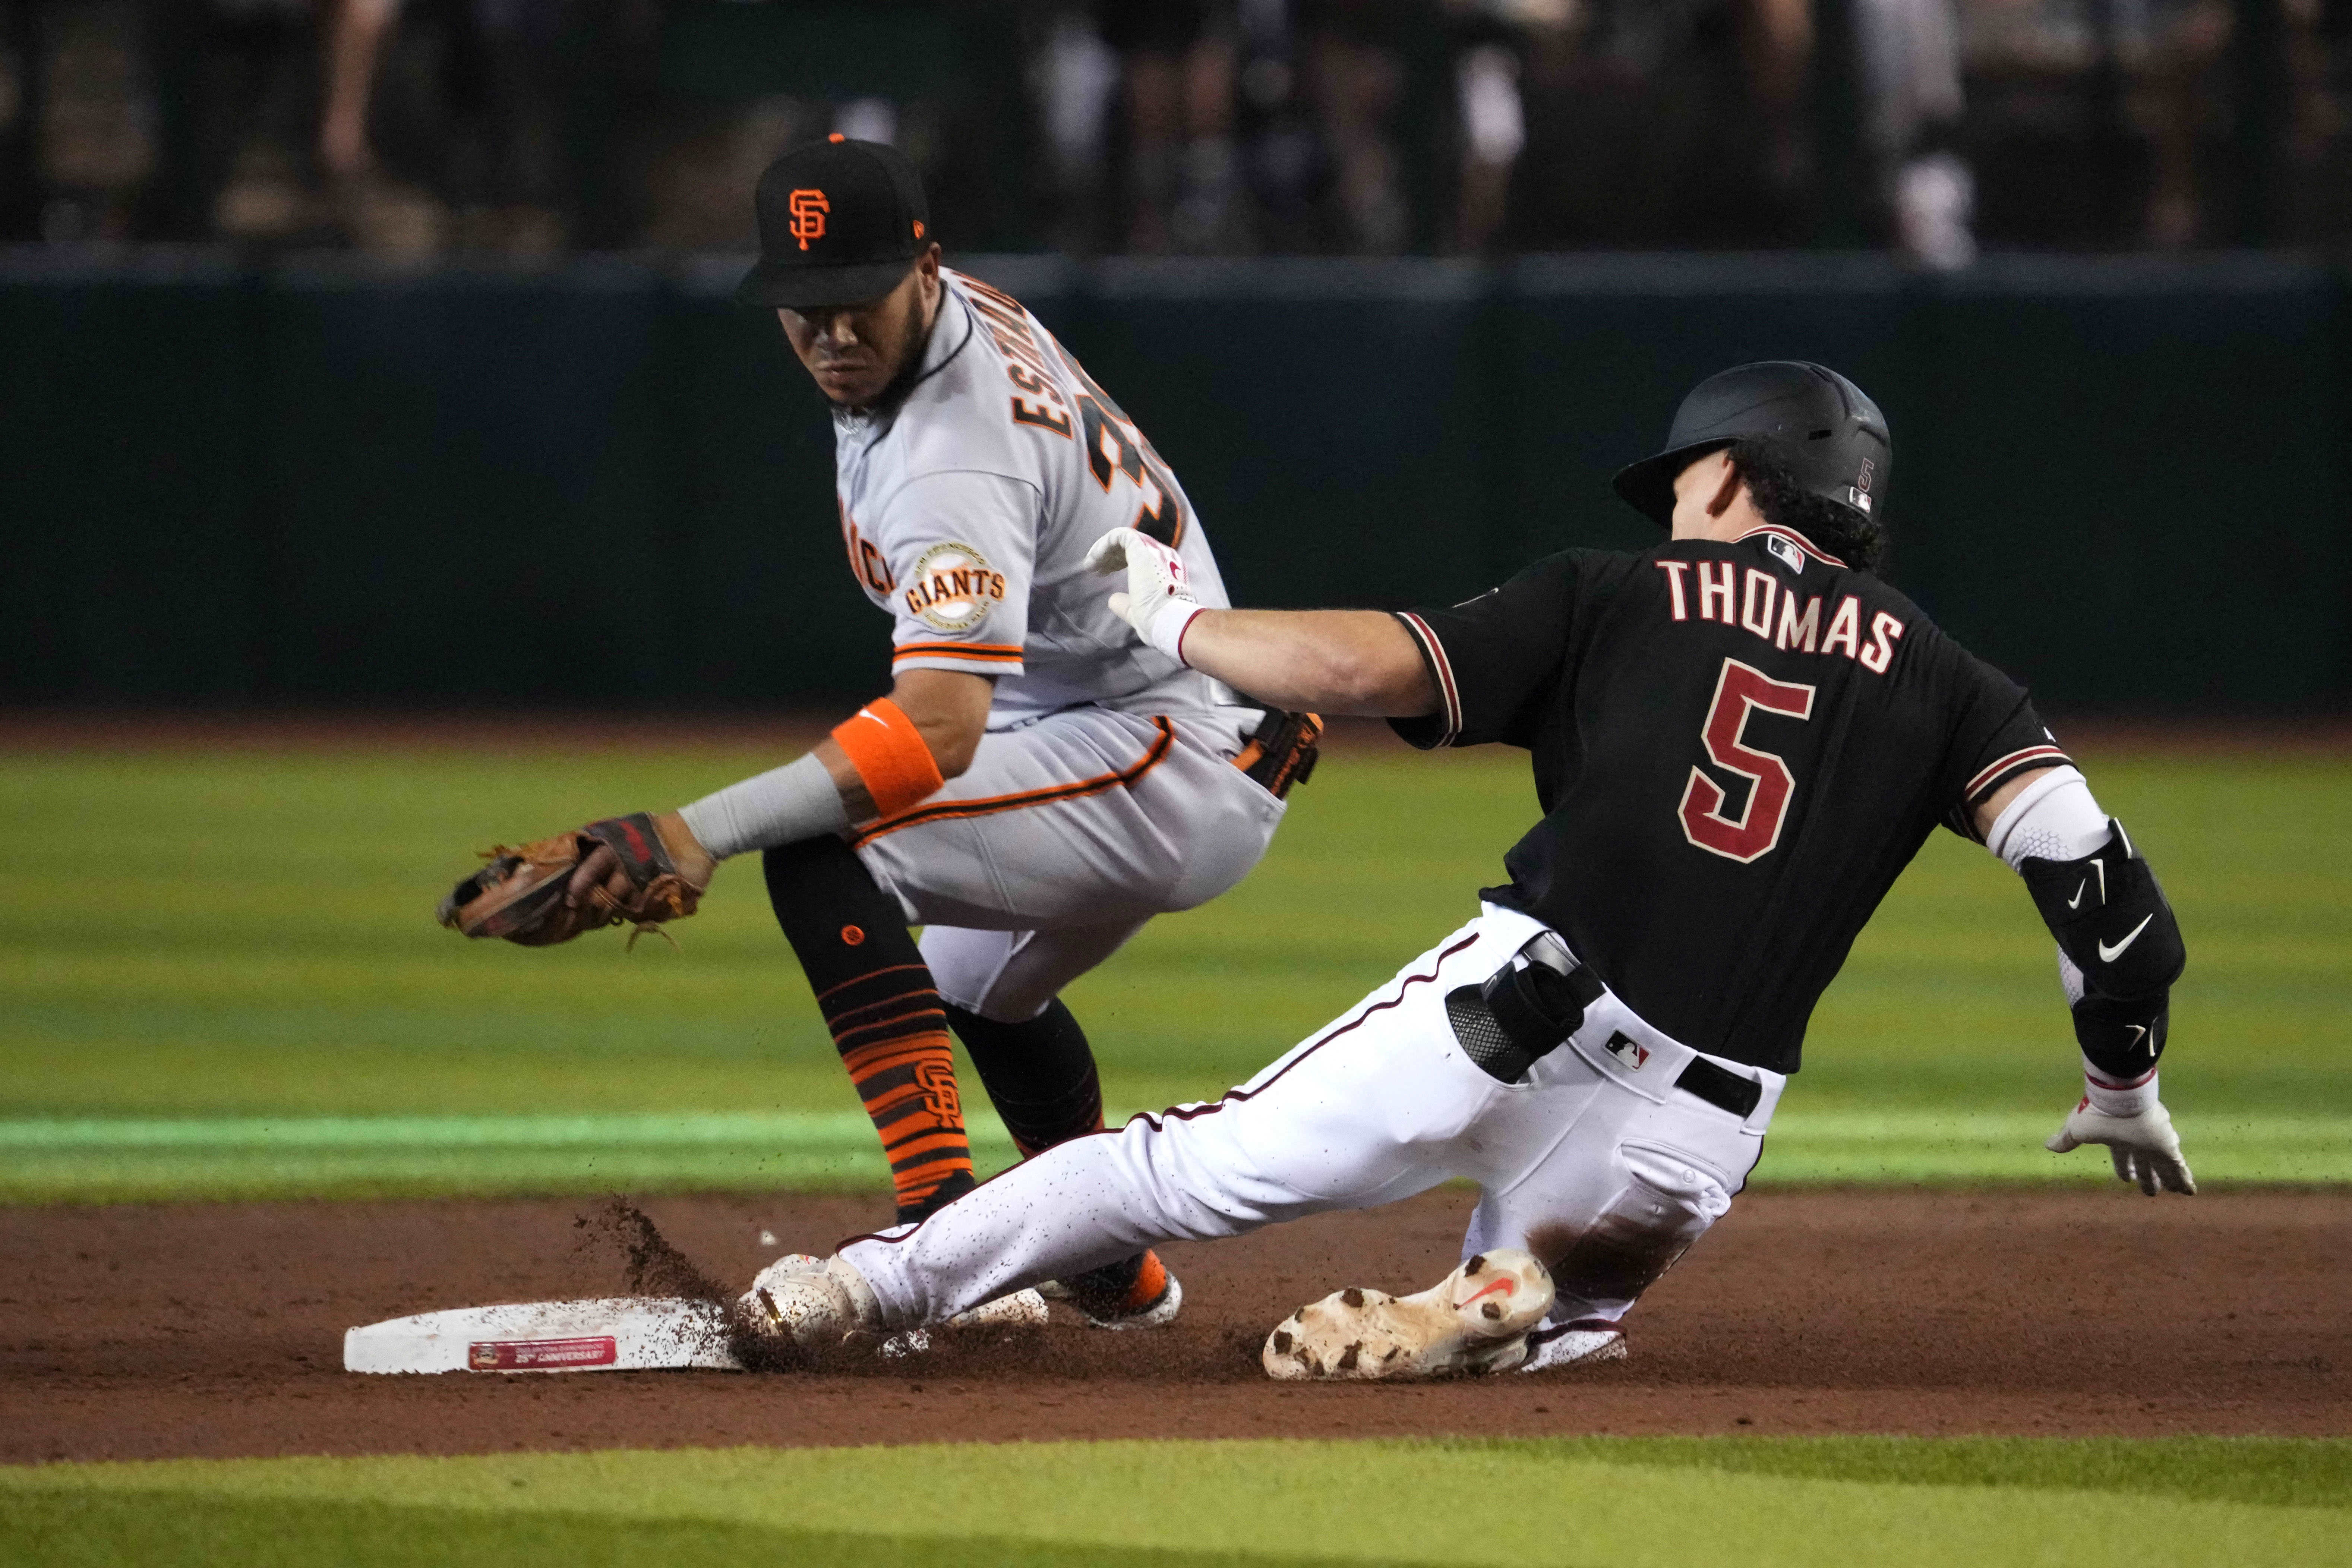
column 600, row 868
column 1158, row 601
column 2147, row 1150
column 640, row 868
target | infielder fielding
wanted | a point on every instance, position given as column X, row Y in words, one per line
column 1036, row 785
column 1740, row 738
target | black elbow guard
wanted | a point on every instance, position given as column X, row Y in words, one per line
column 2111, row 920
column 2122, row 1039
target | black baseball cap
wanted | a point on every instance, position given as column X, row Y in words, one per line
column 1825, row 429
column 840, row 222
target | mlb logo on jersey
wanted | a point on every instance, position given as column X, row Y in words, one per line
column 953, row 587
column 1634, row 1054
column 1785, row 550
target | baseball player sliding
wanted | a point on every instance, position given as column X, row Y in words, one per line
column 1740, row 738
column 1036, row 785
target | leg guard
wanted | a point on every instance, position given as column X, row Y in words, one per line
column 885, row 1015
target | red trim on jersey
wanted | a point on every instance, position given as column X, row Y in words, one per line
column 987, row 652
column 1231, row 1097
column 1799, row 540
column 1442, row 667
column 1983, row 780
column 1185, row 631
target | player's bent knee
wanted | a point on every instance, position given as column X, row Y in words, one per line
column 1668, row 1201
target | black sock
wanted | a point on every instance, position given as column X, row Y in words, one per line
column 1039, row 1074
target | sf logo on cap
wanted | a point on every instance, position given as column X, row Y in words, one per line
column 809, row 208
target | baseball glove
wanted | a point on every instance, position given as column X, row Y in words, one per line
column 640, row 870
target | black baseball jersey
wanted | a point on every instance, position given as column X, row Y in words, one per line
column 1737, row 748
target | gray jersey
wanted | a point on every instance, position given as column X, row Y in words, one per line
column 967, row 507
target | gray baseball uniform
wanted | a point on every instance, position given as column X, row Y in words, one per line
column 1103, row 792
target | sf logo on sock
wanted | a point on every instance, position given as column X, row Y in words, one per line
column 937, row 1080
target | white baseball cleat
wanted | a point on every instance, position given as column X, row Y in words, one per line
column 1475, row 1320
column 812, row 1301
column 1588, row 1341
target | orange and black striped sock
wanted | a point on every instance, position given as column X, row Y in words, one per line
column 878, row 1001
column 893, row 1038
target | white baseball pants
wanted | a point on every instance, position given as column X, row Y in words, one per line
column 1063, row 836
column 1596, row 1163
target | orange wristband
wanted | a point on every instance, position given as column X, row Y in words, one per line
column 891, row 755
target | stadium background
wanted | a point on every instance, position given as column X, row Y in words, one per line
column 370, row 497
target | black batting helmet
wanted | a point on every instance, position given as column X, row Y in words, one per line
column 1827, row 431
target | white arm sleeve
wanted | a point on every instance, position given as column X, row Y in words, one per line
column 781, row 806
column 2054, row 817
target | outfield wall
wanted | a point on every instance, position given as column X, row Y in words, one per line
column 326, row 482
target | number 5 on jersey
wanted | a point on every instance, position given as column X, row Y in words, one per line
column 1738, row 691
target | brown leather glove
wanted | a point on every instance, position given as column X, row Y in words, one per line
column 639, row 869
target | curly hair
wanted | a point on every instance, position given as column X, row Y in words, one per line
column 1853, row 537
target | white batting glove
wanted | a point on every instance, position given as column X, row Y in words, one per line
column 1158, row 601
column 2147, row 1150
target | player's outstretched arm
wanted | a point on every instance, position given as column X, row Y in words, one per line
column 2119, row 951
column 1331, row 661
column 885, row 757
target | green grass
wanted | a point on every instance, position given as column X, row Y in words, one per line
column 240, row 937
column 1623, row 1502
column 111, row 1159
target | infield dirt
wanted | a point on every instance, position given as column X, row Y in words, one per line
column 216, row 1330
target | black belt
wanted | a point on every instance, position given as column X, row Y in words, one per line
column 1522, row 1012
column 1720, row 1087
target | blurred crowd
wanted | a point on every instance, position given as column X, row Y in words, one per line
column 1230, row 127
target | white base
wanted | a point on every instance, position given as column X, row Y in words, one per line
column 610, row 1333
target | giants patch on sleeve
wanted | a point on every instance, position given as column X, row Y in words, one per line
column 953, row 587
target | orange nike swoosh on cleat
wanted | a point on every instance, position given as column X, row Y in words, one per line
column 1505, row 1286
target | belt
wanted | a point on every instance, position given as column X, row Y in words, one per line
column 1529, row 1008
column 1720, row 1086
